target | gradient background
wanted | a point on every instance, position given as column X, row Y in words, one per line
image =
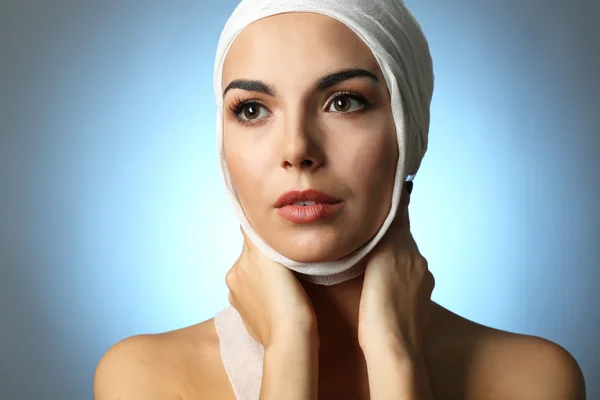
column 114, row 220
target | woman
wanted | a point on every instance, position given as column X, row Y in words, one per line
column 308, row 103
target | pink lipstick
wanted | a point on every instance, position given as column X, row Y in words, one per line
column 306, row 206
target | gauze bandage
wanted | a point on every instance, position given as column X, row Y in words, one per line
column 398, row 44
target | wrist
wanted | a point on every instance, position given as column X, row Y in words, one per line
column 291, row 367
column 389, row 344
column 294, row 336
column 397, row 374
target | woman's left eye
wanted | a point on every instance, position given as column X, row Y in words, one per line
column 343, row 103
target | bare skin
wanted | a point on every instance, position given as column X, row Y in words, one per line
column 465, row 360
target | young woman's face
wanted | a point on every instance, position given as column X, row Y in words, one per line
column 303, row 137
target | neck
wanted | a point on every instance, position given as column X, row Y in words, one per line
column 336, row 308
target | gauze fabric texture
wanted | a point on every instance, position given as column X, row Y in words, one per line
column 402, row 51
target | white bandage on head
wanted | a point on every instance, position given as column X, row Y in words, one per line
column 397, row 42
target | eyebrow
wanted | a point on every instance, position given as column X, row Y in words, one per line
column 322, row 84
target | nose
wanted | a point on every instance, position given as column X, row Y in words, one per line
column 300, row 145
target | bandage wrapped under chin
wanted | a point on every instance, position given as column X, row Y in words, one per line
column 391, row 32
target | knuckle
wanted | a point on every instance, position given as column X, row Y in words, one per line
column 230, row 278
column 430, row 280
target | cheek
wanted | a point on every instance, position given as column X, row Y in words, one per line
column 248, row 165
column 374, row 165
column 373, row 180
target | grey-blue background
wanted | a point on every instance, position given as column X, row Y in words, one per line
column 114, row 220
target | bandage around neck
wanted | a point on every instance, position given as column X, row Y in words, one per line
column 396, row 40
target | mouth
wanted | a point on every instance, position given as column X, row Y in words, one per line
column 304, row 203
column 305, row 198
column 307, row 206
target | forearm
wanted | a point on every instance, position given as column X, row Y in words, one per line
column 398, row 376
column 291, row 369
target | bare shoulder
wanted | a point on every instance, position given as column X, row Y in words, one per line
column 527, row 367
column 179, row 365
column 497, row 364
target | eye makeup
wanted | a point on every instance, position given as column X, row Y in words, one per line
column 241, row 104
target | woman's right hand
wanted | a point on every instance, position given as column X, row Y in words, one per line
column 268, row 296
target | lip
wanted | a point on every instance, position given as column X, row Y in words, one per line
column 325, row 206
column 308, row 214
column 293, row 196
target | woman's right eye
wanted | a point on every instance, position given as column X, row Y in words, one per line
column 249, row 112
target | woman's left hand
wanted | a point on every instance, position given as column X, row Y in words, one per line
column 396, row 292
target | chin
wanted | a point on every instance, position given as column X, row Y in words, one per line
column 312, row 247
column 307, row 256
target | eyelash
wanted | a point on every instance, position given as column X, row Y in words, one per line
column 239, row 104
